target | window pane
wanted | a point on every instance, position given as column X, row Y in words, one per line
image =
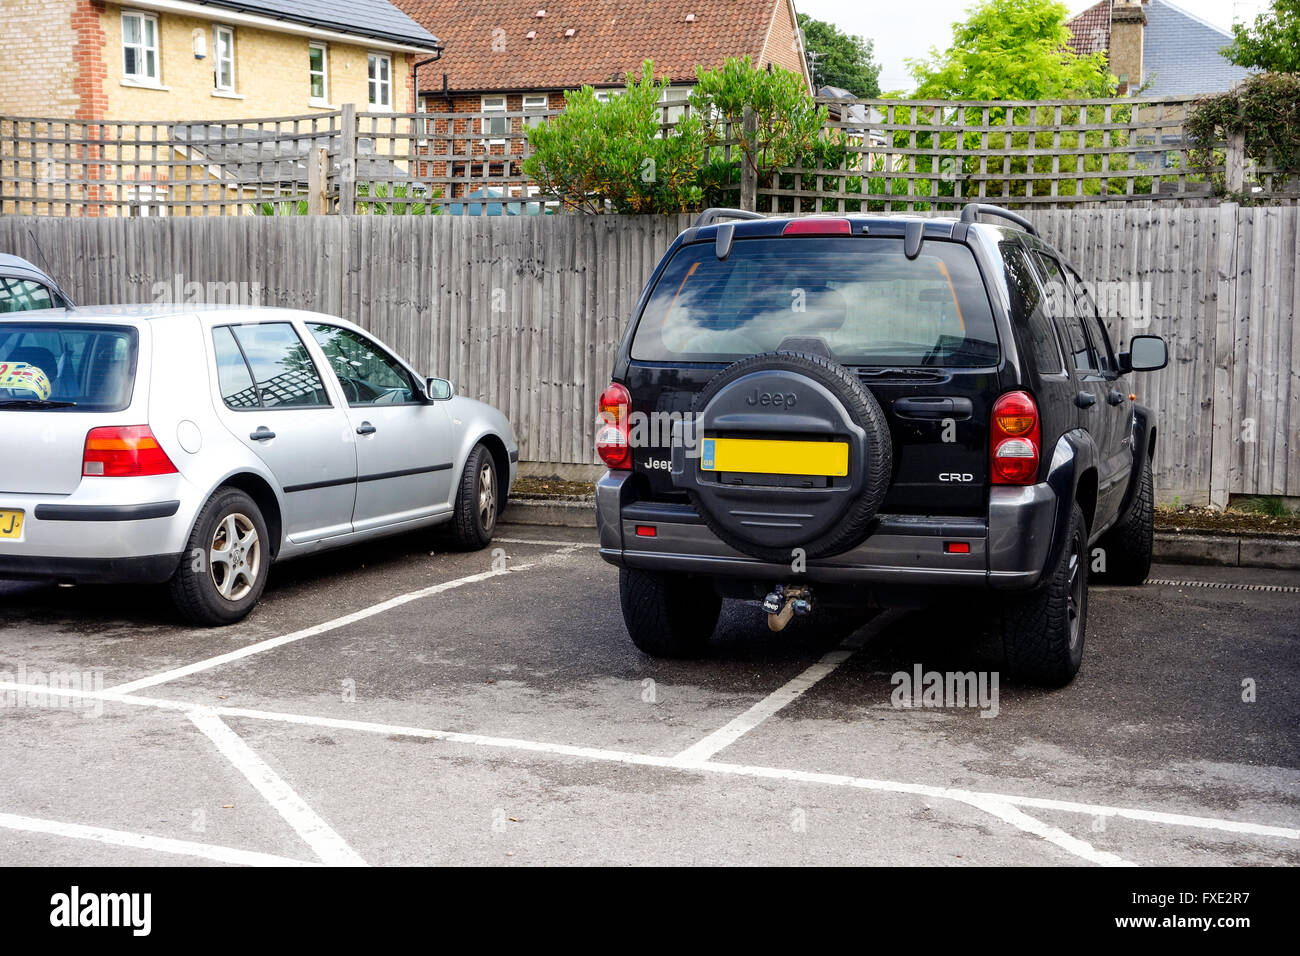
column 149, row 33
column 371, row 65
column 1068, row 316
column 130, row 62
column 150, row 64
column 863, row 298
column 92, row 366
column 318, row 87
column 232, row 372
column 130, row 29
column 1027, row 302
column 20, row 295
column 284, row 372
column 368, row 374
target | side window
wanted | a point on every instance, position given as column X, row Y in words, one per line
column 278, row 371
column 233, row 376
column 1067, row 316
column 1087, row 310
column 1027, row 300
column 19, row 295
column 368, row 374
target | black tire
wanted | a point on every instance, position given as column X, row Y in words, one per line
column 477, row 504
column 199, row 586
column 1043, row 632
column 668, row 615
column 852, row 527
column 1126, row 548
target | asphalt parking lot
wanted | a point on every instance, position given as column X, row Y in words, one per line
column 389, row 705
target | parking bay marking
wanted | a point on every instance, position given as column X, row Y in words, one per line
column 787, row 693
column 344, row 621
column 983, row 799
column 145, row 841
column 332, row 849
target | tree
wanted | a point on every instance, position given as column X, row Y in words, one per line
column 839, row 59
column 597, row 152
column 1272, row 44
column 1012, row 50
column 787, row 123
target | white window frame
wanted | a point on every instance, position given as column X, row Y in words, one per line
column 375, row 86
column 604, row 96
column 143, row 49
column 146, row 200
column 483, row 120
column 217, row 30
column 535, row 107
column 324, row 99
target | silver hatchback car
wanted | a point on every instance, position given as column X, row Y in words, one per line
column 196, row 445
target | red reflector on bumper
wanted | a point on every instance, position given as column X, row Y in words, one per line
column 646, row 530
column 957, row 547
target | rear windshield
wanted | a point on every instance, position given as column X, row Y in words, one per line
column 865, row 301
column 60, row 365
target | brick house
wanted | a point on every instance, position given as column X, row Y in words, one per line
column 1158, row 45
column 188, row 68
column 179, row 60
column 511, row 57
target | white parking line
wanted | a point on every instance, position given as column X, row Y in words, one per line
column 1071, row 844
column 673, row 763
column 549, row 544
column 328, row 845
column 144, row 841
column 787, row 693
column 344, row 621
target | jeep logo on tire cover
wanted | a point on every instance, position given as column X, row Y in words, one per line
column 775, row 399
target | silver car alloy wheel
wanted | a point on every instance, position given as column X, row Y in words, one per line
column 487, row 497
column 235, row 556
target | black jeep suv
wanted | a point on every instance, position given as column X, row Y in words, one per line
column 873, row 410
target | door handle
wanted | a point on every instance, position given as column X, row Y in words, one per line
column 262, row 434
column 1114, row 397
column 365, row 428
column 1085, row 399
column 934, row 407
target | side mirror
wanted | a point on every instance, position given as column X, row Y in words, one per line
column 1146, row 353
column 439, row 389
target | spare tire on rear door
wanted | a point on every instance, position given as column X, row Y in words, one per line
column 789, row 451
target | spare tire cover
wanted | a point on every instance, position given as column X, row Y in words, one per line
column 768, row 513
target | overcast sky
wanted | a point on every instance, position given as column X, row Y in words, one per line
column 909, row 28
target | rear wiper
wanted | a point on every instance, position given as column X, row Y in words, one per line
column 35, row 403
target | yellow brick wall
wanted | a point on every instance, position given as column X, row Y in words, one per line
column 271, row 74
column 37, row 58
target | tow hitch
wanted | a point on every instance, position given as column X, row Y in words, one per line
column 785, row 602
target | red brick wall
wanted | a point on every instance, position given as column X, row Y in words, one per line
column 87, row 22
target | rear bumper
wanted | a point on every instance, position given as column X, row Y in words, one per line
column 107, row 530
column 142, row 569
column 1008, row 549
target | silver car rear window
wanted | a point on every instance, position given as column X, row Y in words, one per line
column 58, row 366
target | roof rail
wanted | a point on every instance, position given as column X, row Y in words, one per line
column 710, row 216
column 972, row 213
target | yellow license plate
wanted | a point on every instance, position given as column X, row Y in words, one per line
column 766, row 457
column 11, row 524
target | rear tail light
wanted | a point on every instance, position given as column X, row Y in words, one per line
column 125, row 451
column 1014, row 440
column 817, row 226
column 612, row 428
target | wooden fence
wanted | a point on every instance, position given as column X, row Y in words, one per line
column 874, row 155
column 525, row 312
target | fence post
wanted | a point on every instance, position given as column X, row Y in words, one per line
column 748, row 174
column 318, row 166
column 348, row 159
column 1235, row 163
